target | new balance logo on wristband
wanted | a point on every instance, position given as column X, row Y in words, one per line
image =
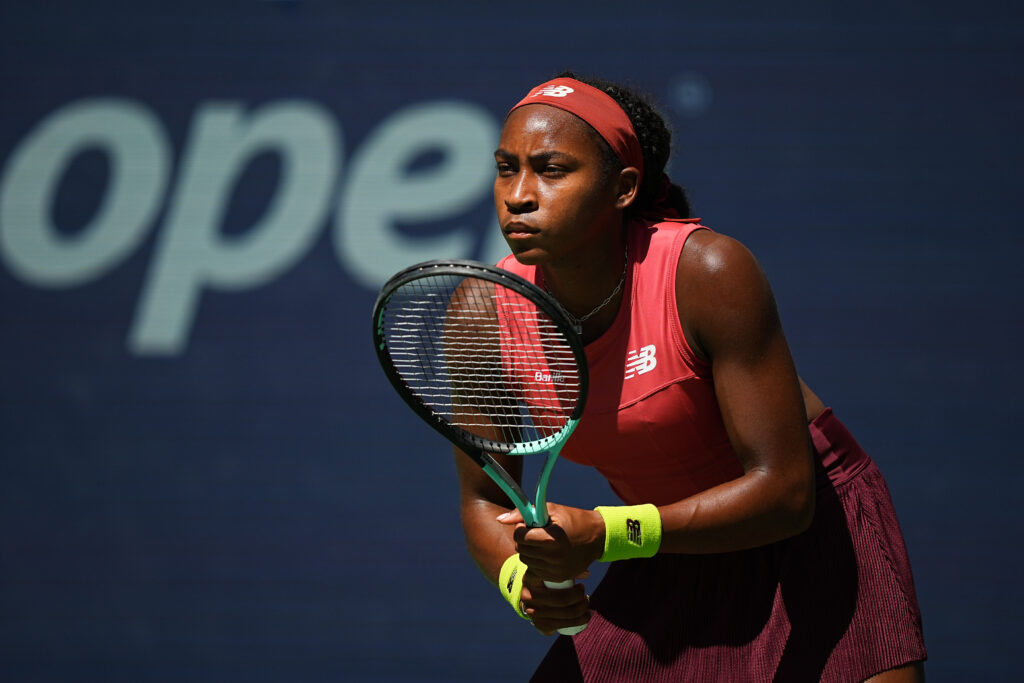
column 641, row 361
column 633, row 531
column 630, row 531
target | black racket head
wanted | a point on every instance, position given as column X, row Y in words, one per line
column 486, row 357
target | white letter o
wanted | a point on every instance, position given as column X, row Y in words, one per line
column 139, row 154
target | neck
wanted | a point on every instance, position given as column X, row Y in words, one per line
column 590, row 292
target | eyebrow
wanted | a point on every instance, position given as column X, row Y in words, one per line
column 543, row 155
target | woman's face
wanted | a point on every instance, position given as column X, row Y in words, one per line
column 554, row 198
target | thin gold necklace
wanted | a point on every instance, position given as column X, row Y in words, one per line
column 577, row 322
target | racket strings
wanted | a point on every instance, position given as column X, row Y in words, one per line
column 482, row 357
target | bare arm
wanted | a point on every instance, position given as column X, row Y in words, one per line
column 730, row 318
column 480, row 503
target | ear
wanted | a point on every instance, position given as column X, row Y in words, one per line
column 627, row 188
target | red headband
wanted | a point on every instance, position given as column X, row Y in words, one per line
column 595, row 107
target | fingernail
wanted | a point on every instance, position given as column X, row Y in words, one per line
column 503, row 516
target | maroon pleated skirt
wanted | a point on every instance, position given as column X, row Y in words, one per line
column 836, row 603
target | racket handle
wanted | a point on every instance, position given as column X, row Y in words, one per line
column 562, row 585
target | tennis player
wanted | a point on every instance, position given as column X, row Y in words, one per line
column 752, row 539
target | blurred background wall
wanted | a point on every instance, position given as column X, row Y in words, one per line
column 204, row 475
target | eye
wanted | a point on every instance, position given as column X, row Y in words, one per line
column 555, row 171
column 504, row 168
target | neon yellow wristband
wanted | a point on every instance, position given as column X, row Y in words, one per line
column 630, row 531
column 510, row 582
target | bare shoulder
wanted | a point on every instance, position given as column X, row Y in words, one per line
column 722, row 292
column 717, row 260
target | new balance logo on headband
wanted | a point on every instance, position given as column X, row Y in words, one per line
column 553, row 91
column 640, row 362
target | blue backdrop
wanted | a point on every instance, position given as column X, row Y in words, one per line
column 203, row 473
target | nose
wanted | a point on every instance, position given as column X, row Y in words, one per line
column 520, row 193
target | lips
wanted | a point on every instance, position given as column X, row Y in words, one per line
column 516, row 229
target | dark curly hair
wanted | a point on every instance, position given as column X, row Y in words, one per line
column 655, row 142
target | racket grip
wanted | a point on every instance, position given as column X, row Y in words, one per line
column 562, row 585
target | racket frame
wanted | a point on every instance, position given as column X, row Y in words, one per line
column 480, row 449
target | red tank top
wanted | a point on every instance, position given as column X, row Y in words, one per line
column 651, row 425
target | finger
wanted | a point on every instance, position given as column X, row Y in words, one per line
column 541, row 567
column 548, row 621
column 544, row 596
column 511, row 517
column 528, row 536
column 535, row 536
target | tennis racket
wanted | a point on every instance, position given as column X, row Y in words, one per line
column 491, row 362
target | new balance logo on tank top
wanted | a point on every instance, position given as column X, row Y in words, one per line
column 651, row 425
column 642, row 361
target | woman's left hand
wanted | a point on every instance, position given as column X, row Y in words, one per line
column 565, row 548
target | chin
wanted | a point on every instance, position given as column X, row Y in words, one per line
column 528, row 256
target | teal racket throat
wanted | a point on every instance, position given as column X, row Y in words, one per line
column 534, row 513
